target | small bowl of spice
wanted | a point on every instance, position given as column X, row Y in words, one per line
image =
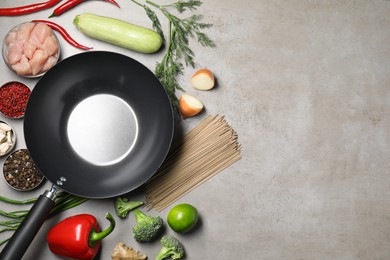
column 30, row 49
column 13, row 99
column 20, row 172
column 7, row 138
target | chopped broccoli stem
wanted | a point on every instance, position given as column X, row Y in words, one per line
column 123, row 206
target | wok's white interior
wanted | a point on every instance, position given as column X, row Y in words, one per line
column 102, row 129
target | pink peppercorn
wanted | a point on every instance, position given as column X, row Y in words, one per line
column 13, row 99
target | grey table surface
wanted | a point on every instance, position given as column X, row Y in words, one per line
column 306, row 85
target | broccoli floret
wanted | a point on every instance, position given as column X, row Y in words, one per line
column 148, row 228
column 171, row 248
column 123, row 206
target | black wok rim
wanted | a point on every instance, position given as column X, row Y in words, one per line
column 76, row 78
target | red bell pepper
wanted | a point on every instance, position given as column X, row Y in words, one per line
column 78, row 237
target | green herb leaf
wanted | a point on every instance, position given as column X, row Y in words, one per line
column 181, row 6
column 155, row 21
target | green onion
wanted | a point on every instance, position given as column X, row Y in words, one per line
column 63, row 201
column 18, row 202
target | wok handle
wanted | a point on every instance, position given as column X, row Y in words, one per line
column 24, row 235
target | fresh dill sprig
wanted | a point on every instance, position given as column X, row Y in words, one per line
column 181, row 6
column 178, row 46
column 155, row 21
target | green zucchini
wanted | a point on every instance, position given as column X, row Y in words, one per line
column 119, row 32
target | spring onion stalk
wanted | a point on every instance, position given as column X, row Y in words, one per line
column 18, row 202
column 11, row 228
column 4, row 241
column 11, row 222
column 14, row 214
column 63, row 201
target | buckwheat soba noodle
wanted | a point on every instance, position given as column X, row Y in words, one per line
column 203, row 152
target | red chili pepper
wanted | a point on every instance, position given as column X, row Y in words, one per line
column 78, row 237
column 112, row 2
column 27, row 9
column 64, row 34
column 70, row 4
column 64, row 7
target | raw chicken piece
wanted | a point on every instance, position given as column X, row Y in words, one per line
column 15, row 51
column 11, row 38
column 29, row 49
column 49, row 63
column 50, row 45
column 41, row 31
column 34, row 40
column 24, row 31
column 38, row 61
column 22, row 67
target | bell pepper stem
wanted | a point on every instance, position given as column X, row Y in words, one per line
column 96, row 236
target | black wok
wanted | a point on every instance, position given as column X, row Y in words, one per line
column 98, row 125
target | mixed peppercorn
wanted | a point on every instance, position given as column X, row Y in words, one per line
column 13, row 99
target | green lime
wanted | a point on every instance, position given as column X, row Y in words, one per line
column 182, row 218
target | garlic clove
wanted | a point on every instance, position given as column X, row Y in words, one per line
column 5, row 127
column 4, row 147
column 9, row 136
column 3, row 136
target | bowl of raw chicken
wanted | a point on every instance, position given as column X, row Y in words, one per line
column 30, row 49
